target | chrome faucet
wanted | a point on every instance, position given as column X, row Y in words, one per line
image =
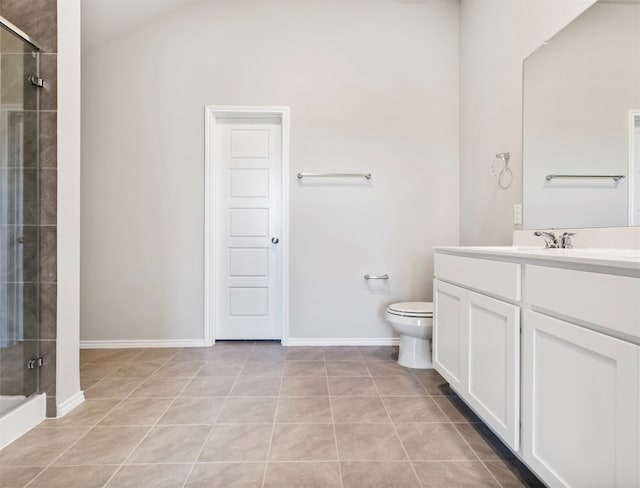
column 565, row 240
column 551, row 241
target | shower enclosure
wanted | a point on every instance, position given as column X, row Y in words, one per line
column 19, row 231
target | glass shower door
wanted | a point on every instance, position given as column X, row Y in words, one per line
column 19, row 220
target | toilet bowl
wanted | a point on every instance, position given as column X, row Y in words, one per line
column 414, row 322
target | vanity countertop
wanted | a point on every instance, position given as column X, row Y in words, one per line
column 613, row 258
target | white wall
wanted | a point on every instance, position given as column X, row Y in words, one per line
column 68, row 311
column 495, row 37
column 579, row 89
column 372, row 86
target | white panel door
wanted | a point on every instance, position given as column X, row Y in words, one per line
column 581, row 410
column 449, row 333
column 493, row 364
column 248, row 169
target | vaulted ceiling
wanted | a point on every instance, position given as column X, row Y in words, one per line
column 104, row 20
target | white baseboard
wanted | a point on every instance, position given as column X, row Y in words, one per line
column 355, row 341
column 142, row 344
column 65, row 407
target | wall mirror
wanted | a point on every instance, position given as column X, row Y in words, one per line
column 581, row 122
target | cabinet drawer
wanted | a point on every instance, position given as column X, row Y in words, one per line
column 608, row 301
column 492, row 277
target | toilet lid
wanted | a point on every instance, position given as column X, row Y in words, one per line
column 411, row 309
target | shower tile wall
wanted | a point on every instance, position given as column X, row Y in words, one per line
column 38, row 18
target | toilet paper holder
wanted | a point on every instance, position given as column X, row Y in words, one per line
column 373, row 277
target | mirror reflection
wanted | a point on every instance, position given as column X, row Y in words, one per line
column 581, row 140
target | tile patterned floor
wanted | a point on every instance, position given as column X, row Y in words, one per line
column 260, row 415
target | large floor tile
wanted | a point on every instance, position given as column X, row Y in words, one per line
column 109, row 355
column 113, row 388
column 171, row 444
column 387, row 368
column 342, row 353
column 399, row 385
column 385, row 353
column 222, row 353
column 232, row 407
column 177, row 369
column 136, row 411
column 413, row 409
column 256, row 386
column 455, row 409
column 86, row 414
column 193, row 410
column 221, row 368
column 263, row 367
column 151, row 475
column 344, row 386
column 303, row 410
column 226, row 475
column 484, row 442
column 248, row 410
column 159, row 354
column 268, row 352
column 209, row 386
column 304, row 386
column 433, row 382
column 157, row 387
column 459, row 474
column 434, row 442
column 11, row 477
column 358, row 409
column 304, row 368
column 368, row 442
column 103, row 445
column 303, row 442
column 86, row 383
column 237, row 442
column 39, row 447
column 303, row 475
column 194, row 354
column 98, row 370
column 137, row 369
column 74, row 476
column 513, row 474
column 362, row 474
column 346, row 368
column 302, row 353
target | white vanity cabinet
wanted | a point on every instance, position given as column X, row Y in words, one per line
column 579, row 405
column 581, row 385
column 476, row 340
column 563, row 390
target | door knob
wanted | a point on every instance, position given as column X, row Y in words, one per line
column 275, row 240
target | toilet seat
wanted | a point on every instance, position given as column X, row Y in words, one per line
column 411, row 309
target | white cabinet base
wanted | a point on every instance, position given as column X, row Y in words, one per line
column 477, row 350
column 580, row 405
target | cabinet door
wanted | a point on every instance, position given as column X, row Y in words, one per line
column 448, row 334
column 580, row 405
column 493, row 364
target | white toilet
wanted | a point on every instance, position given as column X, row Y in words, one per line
column 414, row 322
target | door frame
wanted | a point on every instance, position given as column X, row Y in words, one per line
column 631, row 169
column 211, row 114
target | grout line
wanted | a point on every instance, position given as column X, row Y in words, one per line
column 224, row 404
column 273, row 428
column 395, row 429
column 333, row 423
column 477, row 456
